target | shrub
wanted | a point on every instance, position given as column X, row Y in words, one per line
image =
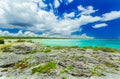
column 2, row 41
column 20, row 40
column 29, row 41
column 46, row 50
column 44, row 68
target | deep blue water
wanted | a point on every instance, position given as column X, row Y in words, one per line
column 80, row 42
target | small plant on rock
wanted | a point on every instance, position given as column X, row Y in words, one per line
column 64, row 77
column 46, row 68
column 65, row 70
column 97, row 71
column 22, row 64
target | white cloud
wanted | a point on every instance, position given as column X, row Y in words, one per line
column 100, row 25
column 20, row 33
column 86, row 11
column 67, row 1
column 70, row 1
column 56, row 3
column 43, row 21
column 111, row 15
column 82, row 36
column 31, row 34
column 70, row 15
column 24, row 14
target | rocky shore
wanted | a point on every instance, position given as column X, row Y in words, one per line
column 33, row 61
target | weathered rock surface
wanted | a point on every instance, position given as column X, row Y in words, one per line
column 85, row 64
column 9, row 60
column 23, row 48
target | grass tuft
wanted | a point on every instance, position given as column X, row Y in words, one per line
column 44, row 68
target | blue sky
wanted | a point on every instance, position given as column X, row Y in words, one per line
column 60, row 18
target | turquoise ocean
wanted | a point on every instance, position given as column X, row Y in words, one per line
column 80, row 42
column 114, row 43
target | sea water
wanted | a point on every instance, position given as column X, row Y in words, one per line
column 114, row 43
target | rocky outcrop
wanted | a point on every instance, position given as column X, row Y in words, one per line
column 9, row 60
column 23, row 48
column 73, row 63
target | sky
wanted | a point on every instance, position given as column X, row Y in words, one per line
column 60, row 18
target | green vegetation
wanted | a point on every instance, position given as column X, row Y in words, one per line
column 73, row 47
column 4, row 70
column 25, row 37
column 64, row 77
column 58, row 47
column 86, row 47
column 6, row 48
column 65, row 70
column 63, row 47
column 111, row 65
column 64, row 59
column 97, row 71
column 22, row 64
column 104, row 49
column 9, row 41
column 70, row 68
column 95, row 56
column 2, row 41
column 45, row 50
column 30, row 41
column 82, row 56
column 73, row 56
column 20, row 40
column 46, row 68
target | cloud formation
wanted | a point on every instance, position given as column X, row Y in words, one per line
column 31, row 34
column 100, row 25
column 31, row 15
column 111, row 15
column 19, row 33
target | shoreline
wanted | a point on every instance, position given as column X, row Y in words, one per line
column 82, row 42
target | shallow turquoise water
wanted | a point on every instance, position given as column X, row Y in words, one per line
column 80, row 43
